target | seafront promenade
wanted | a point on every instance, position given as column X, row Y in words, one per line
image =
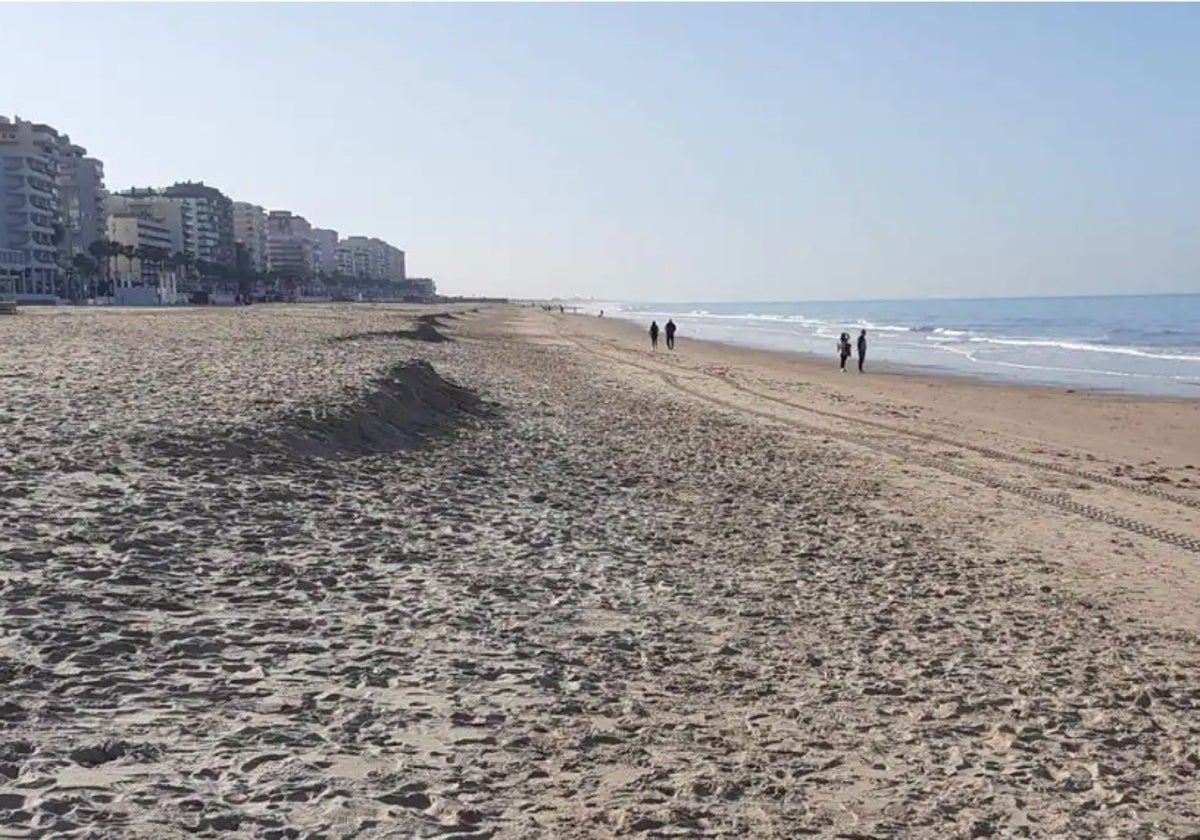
column 489, row 571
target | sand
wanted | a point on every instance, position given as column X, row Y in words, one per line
column 321, row 572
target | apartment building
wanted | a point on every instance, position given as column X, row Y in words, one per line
column 370, row 258
column 140, row 230
column 250, row 229
column 422, row 288
column 291, row 246
column 209, row 214
column 170, row 213
column 83, row 202
column 31, row 228
column 394, row 268
column 327, row 243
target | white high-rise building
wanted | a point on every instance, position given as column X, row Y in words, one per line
column 291, row 247
column 370, row 258
column 327, row 243
column 53, row 203
column 85, row 214
column 141, row 230
column 31, row 228
column 172, row 214
column 209, row 214
column 250, row 229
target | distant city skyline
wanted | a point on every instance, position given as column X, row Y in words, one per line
column 665, row 152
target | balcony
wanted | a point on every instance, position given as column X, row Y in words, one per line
column 11, row 257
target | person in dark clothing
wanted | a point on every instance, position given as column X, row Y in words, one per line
column 862, row 349
column 843, row 348
column 670, row 335
column 654, row 335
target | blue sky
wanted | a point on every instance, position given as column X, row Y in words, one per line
column 664, row 152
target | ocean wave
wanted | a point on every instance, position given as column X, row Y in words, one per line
column 1082, row 347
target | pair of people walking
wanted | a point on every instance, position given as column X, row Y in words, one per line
column 843, row 347
column 669, row 329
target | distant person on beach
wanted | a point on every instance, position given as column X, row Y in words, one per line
column 862, row 349
column 670, row 334
column 843, row 348
column 654, row 335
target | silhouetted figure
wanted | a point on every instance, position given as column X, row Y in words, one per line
column 670, row 334
column 654, row 335
column 843, row 347
column 862, row 349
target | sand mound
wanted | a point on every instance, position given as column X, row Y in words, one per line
column 424, row 331
column 409, row 405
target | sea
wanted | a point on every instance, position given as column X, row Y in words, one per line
column 1134, row 344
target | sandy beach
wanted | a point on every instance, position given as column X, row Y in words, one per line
column 381, row 571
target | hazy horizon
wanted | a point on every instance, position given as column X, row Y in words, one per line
column 665, row 152
column 944, row 299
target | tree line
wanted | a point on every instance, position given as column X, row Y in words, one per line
column 96, row 271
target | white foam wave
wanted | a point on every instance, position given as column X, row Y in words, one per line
column 1082, row 347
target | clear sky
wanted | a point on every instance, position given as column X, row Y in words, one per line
column 664, row 152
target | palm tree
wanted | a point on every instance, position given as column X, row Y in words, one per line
column 115, row 250
column 173, row 262
column 99, row 253
column 183, row 261
column 85, row 269
column 144, row 255
column 129, row 252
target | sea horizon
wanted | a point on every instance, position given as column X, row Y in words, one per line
column 938, row 298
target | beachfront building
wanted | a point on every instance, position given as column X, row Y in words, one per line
column 31, row 229
column 250, row 229
column 393, row 266
column 326, row 244
column 83, row 202
column 203, row 217
column 150, row 276
column 174, row 214
column 422, row 288
column 369, row 258
column 209, row 215
column 291, row 247
column 169, row 213
column 154, row 241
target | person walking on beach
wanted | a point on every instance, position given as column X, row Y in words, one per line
column 843, row 348
column 862, row 349
column 670, row 334
column 654, row 335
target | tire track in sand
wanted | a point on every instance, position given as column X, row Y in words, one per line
column 1060, row 502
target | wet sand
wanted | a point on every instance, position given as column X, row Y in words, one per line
column 310, row 571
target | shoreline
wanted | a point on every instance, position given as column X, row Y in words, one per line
column 1152, row 438
column 930, row 373
column 1069, row 363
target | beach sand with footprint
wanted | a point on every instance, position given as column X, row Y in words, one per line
column 309, row 572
